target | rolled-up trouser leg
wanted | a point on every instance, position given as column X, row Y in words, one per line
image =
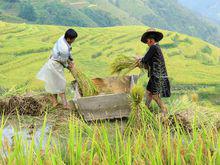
column 160, row 103
column 148, row 99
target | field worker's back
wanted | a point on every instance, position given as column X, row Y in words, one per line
column 61, row 51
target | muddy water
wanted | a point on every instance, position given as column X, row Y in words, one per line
column 30, row 127
column 26, row 134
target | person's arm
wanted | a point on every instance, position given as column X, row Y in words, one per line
column 71, row 57
column 70, row 61
column 64, row 54
column 148, row 55
column 63, row 60
column 71, row 65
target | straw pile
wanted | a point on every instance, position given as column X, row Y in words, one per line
column 23, row 105
column 3, row 106
column 189, row 118
column 86, row 86
column 123, row 64
column 183, row 119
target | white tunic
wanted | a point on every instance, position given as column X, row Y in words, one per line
column 52, row 73
column 61, row 51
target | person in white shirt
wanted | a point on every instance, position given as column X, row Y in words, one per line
column 52, row 73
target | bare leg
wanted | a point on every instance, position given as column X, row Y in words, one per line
column 148, row 99
column 54, row 100
column 160, row 103
column 64, row 101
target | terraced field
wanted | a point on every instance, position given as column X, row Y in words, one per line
column 25, row 48
column 194, row 69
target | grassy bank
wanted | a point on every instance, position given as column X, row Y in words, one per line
column 158, row 141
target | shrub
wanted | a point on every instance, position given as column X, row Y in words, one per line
column 27, row 12
column 206, row 49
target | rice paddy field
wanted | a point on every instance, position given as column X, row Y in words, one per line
column 194, row 70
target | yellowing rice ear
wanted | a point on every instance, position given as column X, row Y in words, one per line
column 123, row 64
column 86, row 86
column 137, row 94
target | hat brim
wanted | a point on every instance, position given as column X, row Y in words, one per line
column 158, row 36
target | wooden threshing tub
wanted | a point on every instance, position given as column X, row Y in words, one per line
column 112, row 101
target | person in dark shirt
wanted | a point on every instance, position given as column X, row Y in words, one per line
column 158, row 85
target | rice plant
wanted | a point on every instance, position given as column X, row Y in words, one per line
column 140, row 116
column 95, row 144
column 123, row 64
column 86, row 86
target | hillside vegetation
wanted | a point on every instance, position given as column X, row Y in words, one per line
column 169, row 15
column 61, row 137
column 25, row 48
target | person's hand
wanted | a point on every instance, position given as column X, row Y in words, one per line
column 71, row 65
column 138, row 62
column 138, row 58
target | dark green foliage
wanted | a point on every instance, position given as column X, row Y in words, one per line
column 200, row 56
column 171, row 16
column 205, row 58
column 102, row 18
column 168, row 15
column 12, row 1
column 96, row 55
column 207, row 50
column 9, row 4
column 187, row 40
column 27, row 12
column 169, row 46
column 9, row 18
column 175, row 38
column 59, row 14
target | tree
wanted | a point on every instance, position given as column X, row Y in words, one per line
column 27, row 12
column 12, row 1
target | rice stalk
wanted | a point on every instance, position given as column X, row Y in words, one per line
column 137, row 94
column 123, row 64
column 140, row 117
column 86, row 86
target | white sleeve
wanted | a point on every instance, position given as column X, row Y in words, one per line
column 63, row 50
column 63, row 53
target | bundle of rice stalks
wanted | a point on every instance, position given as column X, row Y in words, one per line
column 86, row 86
column 140, row 117
column 137, row 95
column 123, row 64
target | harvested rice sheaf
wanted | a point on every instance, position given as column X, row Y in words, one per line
column 137, row 94
column 123, row 64
column 86, row 86
column 140, row 116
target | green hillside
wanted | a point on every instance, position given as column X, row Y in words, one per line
column 25, row 48
column 169, row 15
